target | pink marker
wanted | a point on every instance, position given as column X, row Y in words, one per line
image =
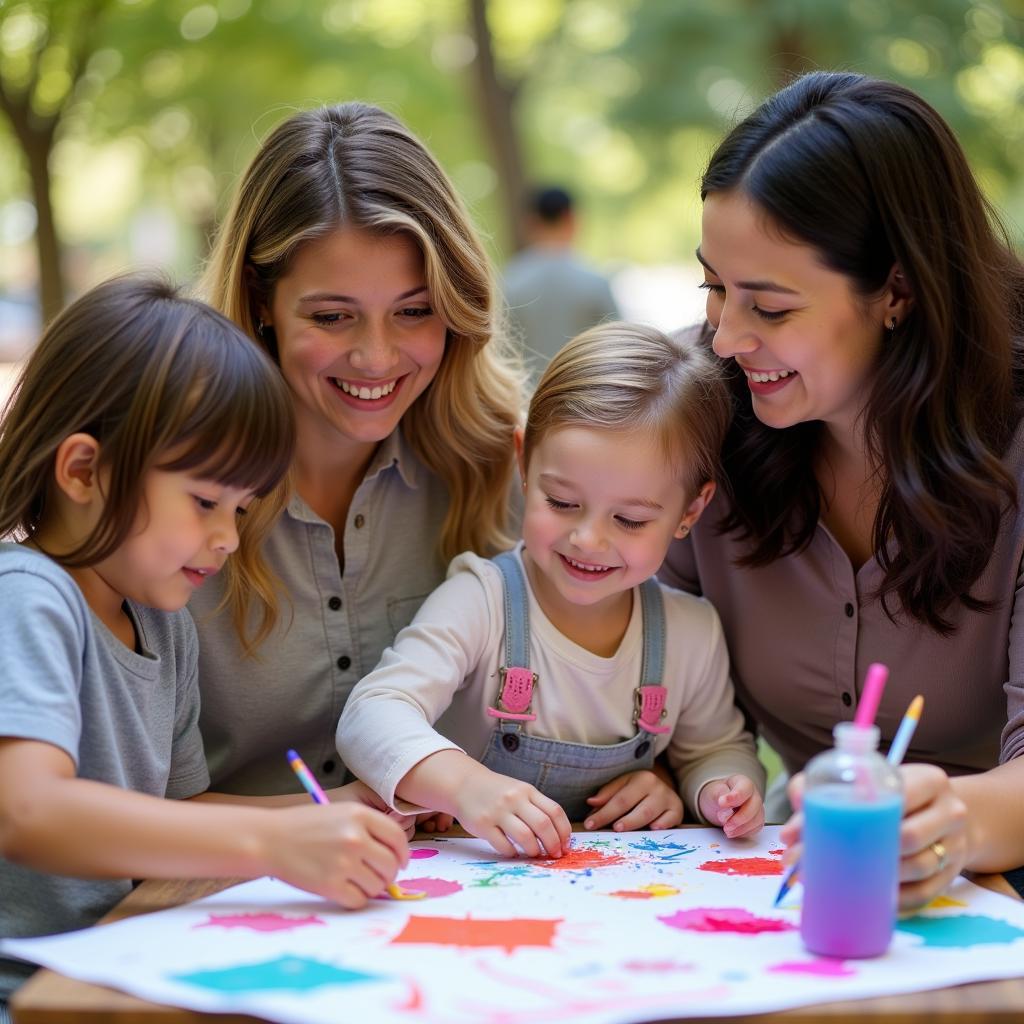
column 874, row 684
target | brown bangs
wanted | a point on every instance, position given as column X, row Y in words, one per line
column 236, row 425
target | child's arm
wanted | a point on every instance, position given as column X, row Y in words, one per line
column 52, row 821
column 709, row 743
column 386, row 727
column 506, row 812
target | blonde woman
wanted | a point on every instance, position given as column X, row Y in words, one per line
column 348, row 257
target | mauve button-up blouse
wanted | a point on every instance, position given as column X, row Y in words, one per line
column 802, row 631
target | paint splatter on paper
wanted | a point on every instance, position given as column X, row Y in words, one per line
column 961, row 931
column 464, row 932
column 286, row 973
column 261, row 922
column 421, row 853
column 656, row 966
column 751, row 867
column 646, row 892
column 581, row 860
column 823, row 968
column 431, row 887
column 725, row 919
column 941, row 902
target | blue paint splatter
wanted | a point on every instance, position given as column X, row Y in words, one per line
column 648, row 845
column 961, row 930
column 286, row 973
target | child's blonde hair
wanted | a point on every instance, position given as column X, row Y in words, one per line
column 161, row 382
column 628, row 377
column 353, row 165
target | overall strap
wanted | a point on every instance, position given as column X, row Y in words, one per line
column 517, row 681
column 650, row 696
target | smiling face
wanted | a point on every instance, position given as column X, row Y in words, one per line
column 806, row 341
column 601, row 509
column 357, row 338
column 184, row 531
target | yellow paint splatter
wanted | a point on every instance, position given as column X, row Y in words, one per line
column 646, row 892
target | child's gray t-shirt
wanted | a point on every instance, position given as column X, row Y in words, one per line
column 125, row 718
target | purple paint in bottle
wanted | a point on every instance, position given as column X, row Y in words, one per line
column 853, row 803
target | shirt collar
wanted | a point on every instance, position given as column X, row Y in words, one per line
column 393, row 453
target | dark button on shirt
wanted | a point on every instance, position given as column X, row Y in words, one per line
column 344, row 662
column 334, row 603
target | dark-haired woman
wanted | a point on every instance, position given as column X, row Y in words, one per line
column 870, row 312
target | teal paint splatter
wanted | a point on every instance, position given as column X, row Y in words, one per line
column 495, row 879
column 286, row 973
column 960, row 931
column 648, row 845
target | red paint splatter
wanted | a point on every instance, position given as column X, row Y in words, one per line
column 725, row 919
column 748, row 866
column 421, row 853
column 259, row 922
column 430, row 886
column 465, row 932
column 776, row 853
column 581, row 860
column 656, row 966
column 824, row 968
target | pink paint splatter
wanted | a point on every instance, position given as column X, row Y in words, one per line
column 421, row 853
column 748, row 866
column 259, row 922
column 823, row 968
column 776, row 853
column 430, row 886
column 656, row 966
column 725, row 919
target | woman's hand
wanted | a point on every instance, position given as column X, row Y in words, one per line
column 933, row 835
column 733, row 803
column 633, row 801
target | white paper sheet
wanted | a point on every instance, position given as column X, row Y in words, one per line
column 633, row 927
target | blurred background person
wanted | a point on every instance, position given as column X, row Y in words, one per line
column 552, row 294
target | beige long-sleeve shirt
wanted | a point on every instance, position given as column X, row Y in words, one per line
column 802, row 631
column 443, row 668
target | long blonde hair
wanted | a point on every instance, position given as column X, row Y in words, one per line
column 356, row 165
column 161, row 382
column 622, row 376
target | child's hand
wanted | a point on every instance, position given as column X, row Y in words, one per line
column 346, row 852
column 735, row 804
column 434, row 821
column 360, row 792
column 636, row 800
column 510, row 814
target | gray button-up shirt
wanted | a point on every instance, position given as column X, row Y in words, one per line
column 330, row 634
column 802, row 631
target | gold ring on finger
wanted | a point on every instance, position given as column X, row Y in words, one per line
column 940, row 851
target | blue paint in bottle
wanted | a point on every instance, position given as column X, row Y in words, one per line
column 853, row 805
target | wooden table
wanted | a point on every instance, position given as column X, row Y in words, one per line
column 49, row 998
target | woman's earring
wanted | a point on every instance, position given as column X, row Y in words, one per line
column 891, row 326
column 684, row 529
column 259, row 327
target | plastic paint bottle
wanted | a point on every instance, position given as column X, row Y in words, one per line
column 853, row 804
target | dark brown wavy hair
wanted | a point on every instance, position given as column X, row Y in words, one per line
column 871, row 176
column 161, row 382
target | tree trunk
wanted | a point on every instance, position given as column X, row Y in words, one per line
column 38, row 146
column 496, row 101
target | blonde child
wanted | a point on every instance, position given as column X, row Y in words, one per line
column 558, row 672
column 141, row 430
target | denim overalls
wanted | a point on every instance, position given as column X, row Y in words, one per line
column 570, row 772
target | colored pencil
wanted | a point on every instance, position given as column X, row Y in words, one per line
column 314, row 789
column 904, row 734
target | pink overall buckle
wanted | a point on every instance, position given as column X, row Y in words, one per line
column 515, row 695
column 649, row 708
